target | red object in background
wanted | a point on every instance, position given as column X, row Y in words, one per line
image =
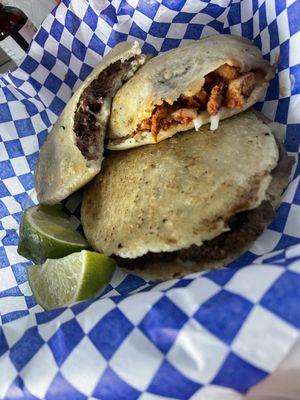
column 16, row 32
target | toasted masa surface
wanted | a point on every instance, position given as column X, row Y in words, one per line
column 245, row 227
column 72, row 153
column 181, row 192
column 180, row 72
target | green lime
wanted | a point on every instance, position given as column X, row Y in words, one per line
column 45, row 232
column 78, row 276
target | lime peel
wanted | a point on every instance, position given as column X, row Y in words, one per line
column 45, row 232
column 78, row 276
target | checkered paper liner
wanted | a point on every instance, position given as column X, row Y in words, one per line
column 206, row 336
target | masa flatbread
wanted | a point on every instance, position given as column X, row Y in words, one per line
column 182, row 73
column 181, row 192
column 68, row 161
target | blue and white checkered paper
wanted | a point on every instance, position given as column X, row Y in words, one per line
column 206, row 336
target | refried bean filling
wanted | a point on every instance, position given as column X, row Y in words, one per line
column 226, row 86
column 86, row 124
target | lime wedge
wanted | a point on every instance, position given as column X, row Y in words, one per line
column 78, row 276
column 45, row 232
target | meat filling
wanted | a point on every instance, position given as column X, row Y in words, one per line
column 226, row 86
column 86, row 126
column 245, row 227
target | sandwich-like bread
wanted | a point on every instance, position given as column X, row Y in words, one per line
column 177, row 203
column 184, row 88
column 73, row 151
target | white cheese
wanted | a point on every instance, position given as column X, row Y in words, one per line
column 198, row 122
column 214, row 122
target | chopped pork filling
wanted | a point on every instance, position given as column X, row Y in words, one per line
column 226, row 86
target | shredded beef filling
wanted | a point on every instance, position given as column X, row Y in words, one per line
column 86, row 125
column 226, row 86
column 245, row 227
